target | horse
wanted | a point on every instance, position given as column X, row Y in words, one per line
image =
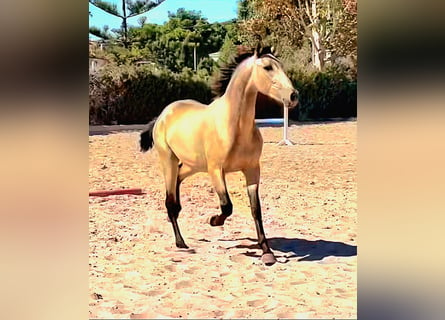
column 220, row 137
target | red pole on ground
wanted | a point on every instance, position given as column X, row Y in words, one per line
column 104, row 193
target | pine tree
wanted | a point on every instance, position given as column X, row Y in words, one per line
column 130, row 8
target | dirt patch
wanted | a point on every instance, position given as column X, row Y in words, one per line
column 308, row 194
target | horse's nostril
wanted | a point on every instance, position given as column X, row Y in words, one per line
column 294, row 96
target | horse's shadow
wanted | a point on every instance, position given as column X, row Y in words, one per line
column 304, row 250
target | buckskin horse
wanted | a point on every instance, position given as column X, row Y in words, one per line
column 221, row 137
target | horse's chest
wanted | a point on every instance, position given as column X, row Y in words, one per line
column 243, row 154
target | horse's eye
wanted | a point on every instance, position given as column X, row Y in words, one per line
column 268, row 68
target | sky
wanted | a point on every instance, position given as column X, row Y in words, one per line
column 213, row 10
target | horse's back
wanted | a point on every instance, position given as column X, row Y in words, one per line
column 183, row 115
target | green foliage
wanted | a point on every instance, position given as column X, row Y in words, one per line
column 245, row 9
column 136, row 94
column 185, row 18
column 324, row 95
column 101, row 33
column 137, row 7
column 108, row 7
column 130, row 8
column 119, row 55
column 172, row 44
column 231, row 40
column 206, row 67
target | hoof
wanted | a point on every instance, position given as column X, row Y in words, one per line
column 268, row 259
column 216, row 221
column 181, row 245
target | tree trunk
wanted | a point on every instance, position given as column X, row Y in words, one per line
column 124, row 24
column 318, row 51
column 317, row 47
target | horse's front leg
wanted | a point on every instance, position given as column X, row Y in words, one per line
column 219, row 182
column 252, row 180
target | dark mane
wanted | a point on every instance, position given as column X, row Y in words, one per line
column 222, row 79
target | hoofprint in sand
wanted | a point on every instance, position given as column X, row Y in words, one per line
column 308, row 193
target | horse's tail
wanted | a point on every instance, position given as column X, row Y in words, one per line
column 147, row 136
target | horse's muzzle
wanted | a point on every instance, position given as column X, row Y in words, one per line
column 293, row 99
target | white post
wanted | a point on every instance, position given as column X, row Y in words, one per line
column 285, row 141
column 285, row 123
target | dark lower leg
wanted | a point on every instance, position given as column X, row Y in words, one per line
column 257, row 217
column 268, row 256
column 226, row 210
column 262, row 241
column 173, row 208
column 253, row 180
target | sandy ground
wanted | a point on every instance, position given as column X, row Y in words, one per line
column 308, row 194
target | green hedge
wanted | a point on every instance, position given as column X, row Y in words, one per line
column 134, row 95
column 324, row 95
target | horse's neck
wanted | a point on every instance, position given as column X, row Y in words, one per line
column 241, row 98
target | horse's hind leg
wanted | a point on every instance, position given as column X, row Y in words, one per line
column 219, row 183
column 172, row 200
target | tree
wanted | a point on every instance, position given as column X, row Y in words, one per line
column 101, row 33
column 175, row 43
column 269, row 21
column 319, row 19
column 130, row 8
column 230, row 43
column 142, row 20
column 245, row 9
column 292, row 23
column 344, row 42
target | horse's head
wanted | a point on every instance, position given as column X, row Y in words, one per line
column 270, row 79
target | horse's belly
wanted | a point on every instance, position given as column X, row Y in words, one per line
column 194, row 160
column 189, row 153
column 189, row 150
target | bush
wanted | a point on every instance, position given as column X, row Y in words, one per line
column 323, row 95
column 136, row 94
